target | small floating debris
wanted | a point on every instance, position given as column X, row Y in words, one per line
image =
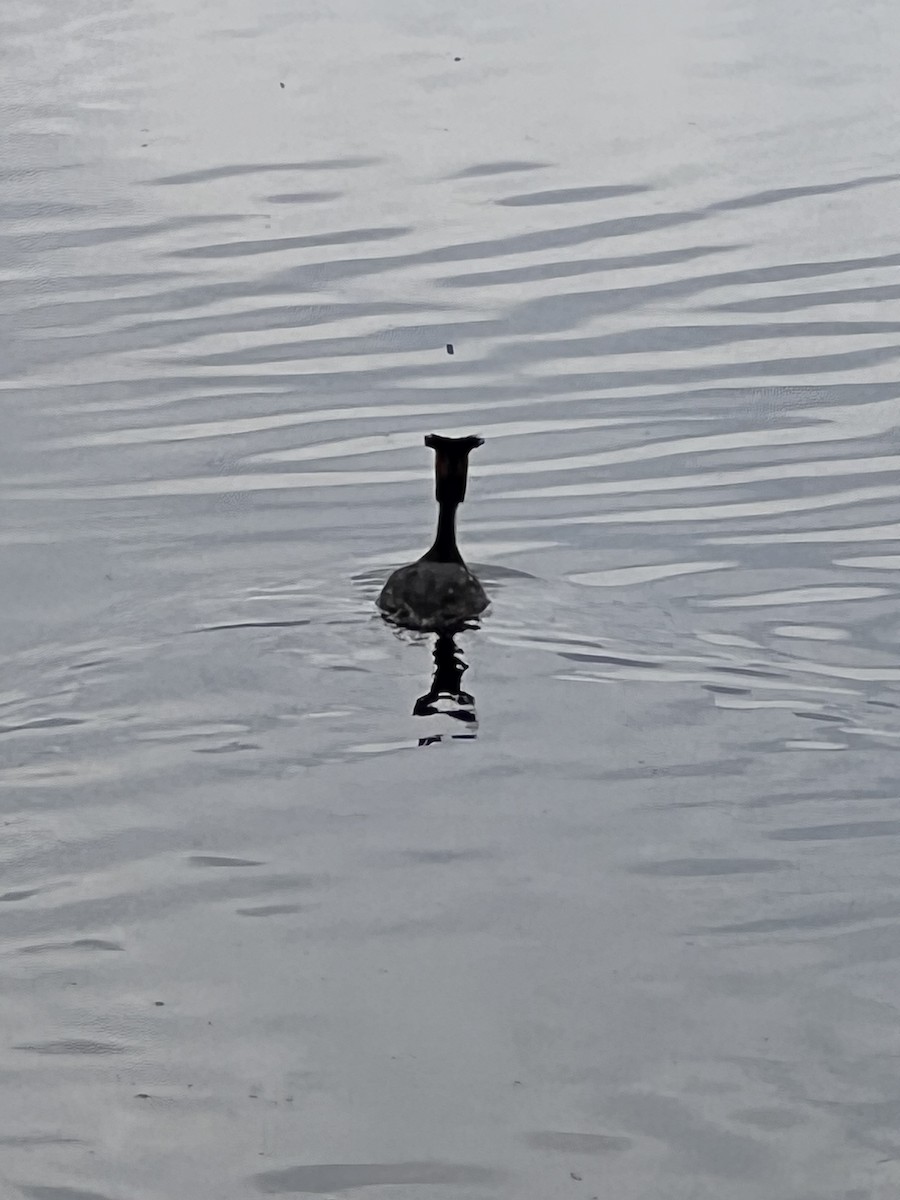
column 281, row 85
column 450, row 348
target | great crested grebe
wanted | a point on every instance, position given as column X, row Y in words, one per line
column 439, row 591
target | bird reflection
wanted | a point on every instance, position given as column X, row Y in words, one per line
column 446, row 696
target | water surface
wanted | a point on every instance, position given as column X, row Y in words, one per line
column 625, row 920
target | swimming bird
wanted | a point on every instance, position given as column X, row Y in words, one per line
column 439, row 592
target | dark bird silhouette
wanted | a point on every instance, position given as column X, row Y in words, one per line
column 439, row 591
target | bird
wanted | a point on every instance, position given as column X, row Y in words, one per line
column 439, row 592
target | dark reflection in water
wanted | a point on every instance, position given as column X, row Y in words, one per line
column 446, row 696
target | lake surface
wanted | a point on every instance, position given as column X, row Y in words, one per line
column 625, row 923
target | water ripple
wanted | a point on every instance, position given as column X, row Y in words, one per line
column 248, row 262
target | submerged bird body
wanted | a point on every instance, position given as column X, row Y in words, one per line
column 432, row 595
column 439, row 592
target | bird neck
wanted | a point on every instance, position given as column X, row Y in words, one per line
column 444, row 547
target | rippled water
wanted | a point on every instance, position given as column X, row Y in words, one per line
column 627, row 924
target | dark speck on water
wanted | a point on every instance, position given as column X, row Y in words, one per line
column 648, row 863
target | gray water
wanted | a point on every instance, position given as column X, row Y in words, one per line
column 633, row 931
